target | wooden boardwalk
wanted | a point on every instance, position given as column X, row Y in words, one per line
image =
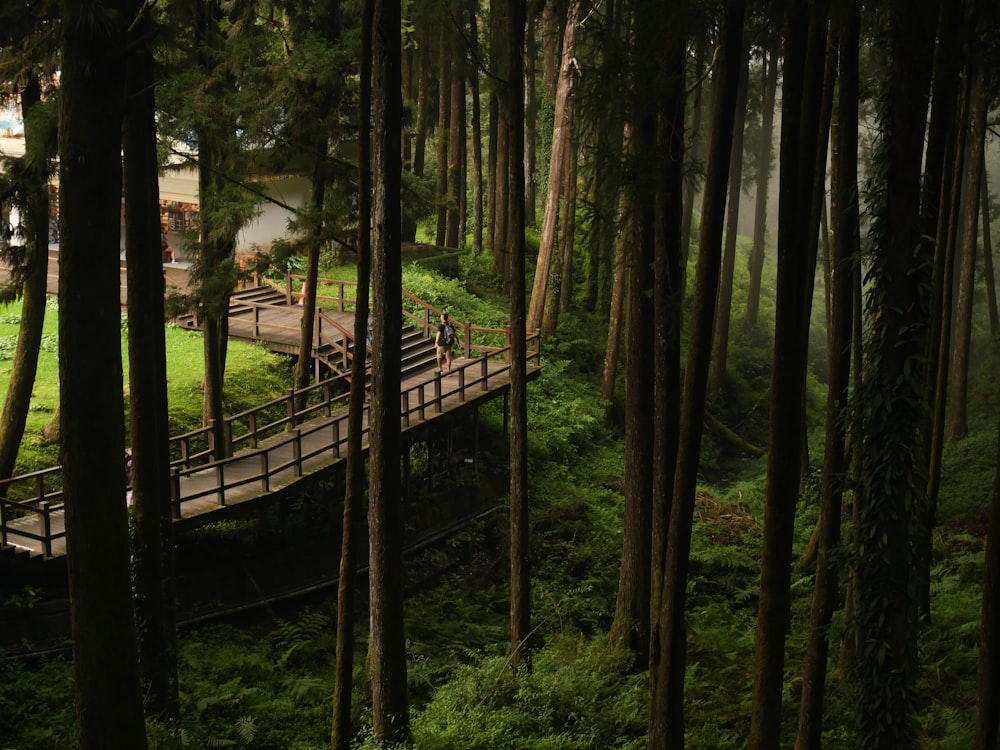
column 268, row 455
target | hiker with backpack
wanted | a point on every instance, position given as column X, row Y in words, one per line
column 444, row 342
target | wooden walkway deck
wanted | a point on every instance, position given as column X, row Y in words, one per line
column 270, row 455
column 280, row 453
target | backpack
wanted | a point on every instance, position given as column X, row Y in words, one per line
column 447, row 335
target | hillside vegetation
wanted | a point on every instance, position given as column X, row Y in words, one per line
column 268, row 684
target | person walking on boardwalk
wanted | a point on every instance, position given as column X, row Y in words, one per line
column 444, row 342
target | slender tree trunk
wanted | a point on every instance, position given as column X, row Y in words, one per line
column 757, row 251
column 307, row 325
column 630, row 627
column 719, row 352
column 940, row 210
column 892, row 396
column 33, row 288
column 668, row 304
column 531, row 107
column 387, row 645
column 92, row 449
column 805, row 45
column 845, row 248
column 959, row 380
column 568, row 234
column 445, row 77
column 667, row 695
column 615, row 317
column 149, row 428
column 354, row 483
column 477, row 138
column 561, row 131
column 520, row 561
column 456, row 143
column 990, row 277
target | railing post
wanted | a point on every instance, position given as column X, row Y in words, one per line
column 46, row 528
column 437, row 395
column 175, row 493
column 405, row 406
column 336, row 438
column 211, row 440
column 421, row 402
column 484, row 372
column 227, row 436
column 220, row 478
column 461, row 385
column 297, row 453
column 506, row 338
column 290, row 407
column 265, row 472
column 288, row 287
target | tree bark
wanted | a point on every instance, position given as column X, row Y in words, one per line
column 958, row 426
column 805, row 45
column 719, row 353
column 33, row 280
column 520, row 559
column 92, row 448
column 990, row 278
column 668, row 691
column 354, row 482
column 561, row 129
column 664, row 673
column 769, row 70
column 893, row 394
column 149, row 428
column 387, row 645
column 615, row 312
column 844, row 250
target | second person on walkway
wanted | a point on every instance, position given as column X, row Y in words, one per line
column 444, row 342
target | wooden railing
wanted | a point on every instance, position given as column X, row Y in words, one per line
column 276, row 435
column 472, row 340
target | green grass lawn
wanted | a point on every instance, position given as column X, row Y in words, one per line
column 253, row 375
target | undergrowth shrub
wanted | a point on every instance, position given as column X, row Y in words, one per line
column 580, row 695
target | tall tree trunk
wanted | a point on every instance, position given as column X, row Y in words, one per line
column 568, row 234
column 33, row 279
column 477, row 137
column 844, row 250
column 92, row 448
column 387, row 645
column 520, row 560
column 456, row 144
column 445, row 77
column 667, row 695
column 354, row 481
column 959, row 379
column 719, row 352
column 769, row 70
column 990, row 278
column 615, row 313
column 307, row 324
column 532, row 104
column 940, row 210
column 668, row 305
column 561, row 131
column 893, row 394
column 150, row 432
column 805, row 46
column 630, row 626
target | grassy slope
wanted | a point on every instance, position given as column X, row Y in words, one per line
column 252, row 373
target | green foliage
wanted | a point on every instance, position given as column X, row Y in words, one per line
column 563, row 416
column 578, row 695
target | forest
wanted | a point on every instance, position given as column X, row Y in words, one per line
column 754, row 499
